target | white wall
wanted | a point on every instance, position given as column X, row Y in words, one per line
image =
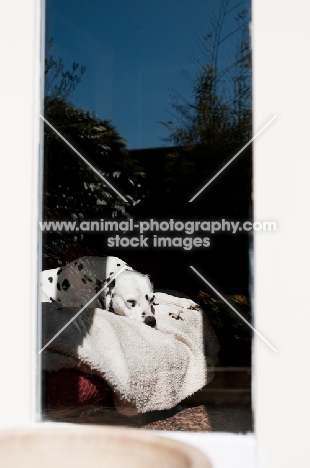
column 19, row 85
column 282, row 180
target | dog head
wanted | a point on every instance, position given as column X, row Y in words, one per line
column 131, row 294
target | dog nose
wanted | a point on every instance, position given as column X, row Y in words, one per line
column 150, row 321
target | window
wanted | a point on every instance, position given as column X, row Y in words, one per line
column 273, row 390
column 144, row 107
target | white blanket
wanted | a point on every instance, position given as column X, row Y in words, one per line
column 148, row 369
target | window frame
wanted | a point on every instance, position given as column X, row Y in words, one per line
column 21, row 31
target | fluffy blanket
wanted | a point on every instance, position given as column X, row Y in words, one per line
column 148, row 369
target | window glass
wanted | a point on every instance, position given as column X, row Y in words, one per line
column 147, row 168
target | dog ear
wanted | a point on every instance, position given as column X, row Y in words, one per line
column 111, row 286
column 109, row 295
column 106, row 299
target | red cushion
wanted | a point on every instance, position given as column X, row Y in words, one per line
column 69, row 387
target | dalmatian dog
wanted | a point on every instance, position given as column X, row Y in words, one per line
column 132, row 295
column 121, row 289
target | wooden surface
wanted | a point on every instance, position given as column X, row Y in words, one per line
column 94, row 447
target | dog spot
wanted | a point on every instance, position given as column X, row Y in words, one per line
column 152, row 299
column 112, row 273
column 88, row 279
column 50, row 279
column 51, row 299
column 80, row 266
column 59, row 271
column 146, row 297
column 58, row 286
column 65, row 285
column 150, row 321
column 101, row 300
column 84, row 280
column 118, row 264
column 112, row 284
